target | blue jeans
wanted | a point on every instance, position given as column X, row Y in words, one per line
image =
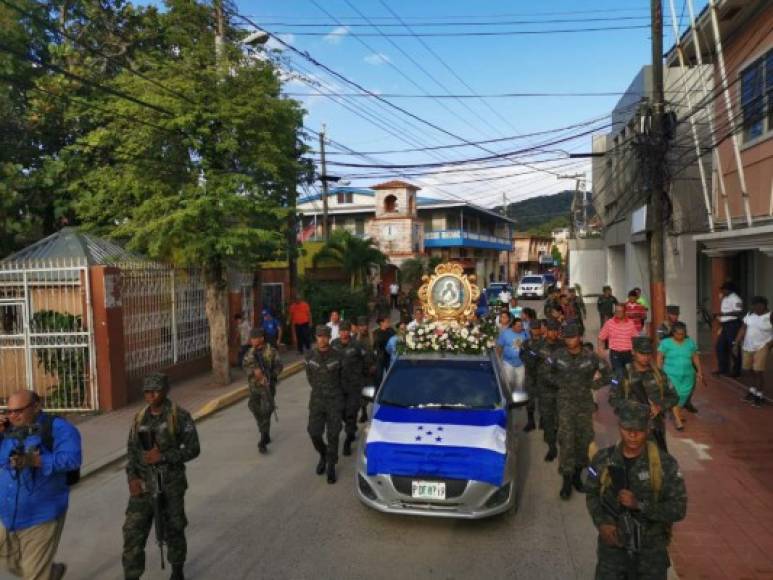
column 618, row 359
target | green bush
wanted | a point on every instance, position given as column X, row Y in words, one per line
column 323, row 297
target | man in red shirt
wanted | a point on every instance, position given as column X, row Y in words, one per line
column 635, row 310
column 620, row 332
column 300, row 319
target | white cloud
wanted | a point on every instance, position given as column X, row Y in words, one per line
column 376, row 58
column 336, row 35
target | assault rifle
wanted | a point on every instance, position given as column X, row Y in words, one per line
column 156, row 489
column 628, row 527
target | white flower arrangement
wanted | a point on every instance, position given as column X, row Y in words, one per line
column 436, row 337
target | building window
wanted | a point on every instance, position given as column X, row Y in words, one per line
column 359, row 227
column 390, row 204
column 345, row 197
column 757, row 97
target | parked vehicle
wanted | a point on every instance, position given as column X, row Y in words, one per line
column 442, row 441
column 536, row 286
column 494, row 289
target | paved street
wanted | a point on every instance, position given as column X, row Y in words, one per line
column 272, row 517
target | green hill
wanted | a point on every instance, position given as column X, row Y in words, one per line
column 540, row 215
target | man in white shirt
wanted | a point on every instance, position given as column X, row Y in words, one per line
column 335, row 319
column 755, row 339
column 730, row 313
column 394, row 292
column 418, row 319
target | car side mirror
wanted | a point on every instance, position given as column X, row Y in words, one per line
column 369, row 392
column 518, row 399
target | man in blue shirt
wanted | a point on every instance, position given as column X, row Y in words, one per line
column 36, row 453
column 272, row 328
column 509, row 346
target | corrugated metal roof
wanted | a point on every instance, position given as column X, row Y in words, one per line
column 71, row 244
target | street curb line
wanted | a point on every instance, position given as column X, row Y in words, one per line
column 218, row 404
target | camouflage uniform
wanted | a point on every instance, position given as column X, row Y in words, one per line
column 645, row 386
column 531, row 359
column 548, row 391
column 363, row 336
column 355, row 362
column 574, row 373
column 656, row 482
column 261, row 401
column 323, row 371
column 176, row 437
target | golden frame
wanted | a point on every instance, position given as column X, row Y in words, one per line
column 449, row 295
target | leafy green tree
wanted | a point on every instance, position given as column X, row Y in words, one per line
column 187, row 163
column 556, row 255
column 356, row 256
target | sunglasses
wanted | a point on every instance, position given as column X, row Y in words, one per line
column 19, row 410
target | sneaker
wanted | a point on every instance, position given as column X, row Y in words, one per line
column 758, row 402
column 749, row 398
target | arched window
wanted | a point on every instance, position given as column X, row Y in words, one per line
column 390, row 204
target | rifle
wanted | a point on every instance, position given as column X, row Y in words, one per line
column 156, row 484
column 629, row 528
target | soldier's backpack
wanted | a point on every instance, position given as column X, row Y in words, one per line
column 47, row 440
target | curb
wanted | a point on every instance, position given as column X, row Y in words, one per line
column 218, row 404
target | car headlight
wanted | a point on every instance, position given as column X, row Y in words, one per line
column 500, row 496
column 365, row 488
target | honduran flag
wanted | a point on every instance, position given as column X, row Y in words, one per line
column 464, row 444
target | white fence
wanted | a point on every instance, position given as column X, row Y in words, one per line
column 164, row 316
column 46, row 333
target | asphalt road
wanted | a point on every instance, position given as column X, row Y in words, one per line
column 254, row 516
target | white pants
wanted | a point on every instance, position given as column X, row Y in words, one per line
column 514, row 377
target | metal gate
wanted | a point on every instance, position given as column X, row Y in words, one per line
column 46, row 334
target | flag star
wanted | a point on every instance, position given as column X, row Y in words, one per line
column 438, row 439
column 418, row 438
column 440, row 428
column 420, row 427
column 429, row 432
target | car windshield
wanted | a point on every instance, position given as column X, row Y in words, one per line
column 531, row 280
column 443, row 383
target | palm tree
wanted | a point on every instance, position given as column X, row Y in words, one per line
column 356, row 256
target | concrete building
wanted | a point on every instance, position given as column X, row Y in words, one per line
column 529, row 253
column 405, row 225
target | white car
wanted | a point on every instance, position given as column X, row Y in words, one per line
column 536, row 286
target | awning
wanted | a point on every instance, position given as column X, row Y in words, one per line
column 728, row 243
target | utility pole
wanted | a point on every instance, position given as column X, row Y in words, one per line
column 658, row 159
column 325, row 229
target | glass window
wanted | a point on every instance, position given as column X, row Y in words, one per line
column 531, row 280
column 752, row 100
column 446, row 382
column 769, row 87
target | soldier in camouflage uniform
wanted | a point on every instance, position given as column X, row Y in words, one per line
column 577, row 373
column 363, row 336
column 174, row 440
column 548, row 388
column 323, row 371
column 637, row 481
column 645, row 383
column 531, row 360
column 355, row 362
column 263, row 367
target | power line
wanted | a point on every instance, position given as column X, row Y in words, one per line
column 435, row 23
column 481, row 33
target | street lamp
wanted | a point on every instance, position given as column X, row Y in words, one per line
column 256, row 38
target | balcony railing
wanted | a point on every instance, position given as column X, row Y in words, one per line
column 456, row 234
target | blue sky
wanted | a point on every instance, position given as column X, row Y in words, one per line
column 599, row 61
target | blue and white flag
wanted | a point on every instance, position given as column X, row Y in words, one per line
column 464, row 444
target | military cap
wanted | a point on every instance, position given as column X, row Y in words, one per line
column 323, row 330
column 642, row 344
column 344, row 325
column 553, row 324
column 155, row 382
column 672, row 309
column 633, row 415
column 571, row 331
column 257, row 332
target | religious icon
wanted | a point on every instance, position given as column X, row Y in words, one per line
column 449, row 294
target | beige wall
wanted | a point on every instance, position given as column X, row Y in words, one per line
column 757, row 156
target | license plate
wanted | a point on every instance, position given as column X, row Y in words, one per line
column 428, row 490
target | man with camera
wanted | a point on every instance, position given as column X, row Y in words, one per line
column 40, row 456
column 162, row 439
column 635, row 493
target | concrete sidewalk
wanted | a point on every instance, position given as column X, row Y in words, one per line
column 104, row 436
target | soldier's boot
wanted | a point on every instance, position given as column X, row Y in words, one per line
column 263, row 442
column 177, row 572
column 566, row 488
column 321, row 448
column 577, row 480
column 364, row 415
column 552, row 453
column 348, row 445
column 331, row 473
column 530, row 423
column 268, row 437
